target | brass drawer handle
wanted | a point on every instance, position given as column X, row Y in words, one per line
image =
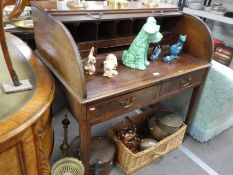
column 126, row 103
column 185, row 82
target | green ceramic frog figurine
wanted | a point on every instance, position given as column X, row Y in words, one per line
column 136, row 56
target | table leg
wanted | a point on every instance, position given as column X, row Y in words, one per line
column 85, row 141
column 192, row 104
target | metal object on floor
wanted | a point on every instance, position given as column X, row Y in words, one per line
column 102, row 152
column 65, row 146
column 68, row 166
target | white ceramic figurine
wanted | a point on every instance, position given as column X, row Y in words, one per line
column 110, row 65
column 90, row 64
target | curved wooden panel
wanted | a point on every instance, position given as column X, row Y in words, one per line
column 199, row 41
column 56, row 45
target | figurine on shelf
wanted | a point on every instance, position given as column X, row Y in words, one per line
column 110, row 65
column 156, row 53
column 136, row 56
column 90, row 64
column 175, row 50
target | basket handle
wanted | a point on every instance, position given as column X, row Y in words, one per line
column 161, row 153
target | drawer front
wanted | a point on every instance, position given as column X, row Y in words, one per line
column 182, row 82
column 122, row 104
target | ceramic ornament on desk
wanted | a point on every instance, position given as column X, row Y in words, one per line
column 156, row 53
column 110, row 65
column 89, row 67
column 136, row 56
column 175, row 50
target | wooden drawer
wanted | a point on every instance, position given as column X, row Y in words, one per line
column 182, row 82
column 122, row 104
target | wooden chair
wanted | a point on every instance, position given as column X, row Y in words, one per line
column 5, row 51
column 18, row 9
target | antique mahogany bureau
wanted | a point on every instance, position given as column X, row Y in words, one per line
column 64, row 37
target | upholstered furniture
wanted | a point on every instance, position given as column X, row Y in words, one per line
column 214, row 112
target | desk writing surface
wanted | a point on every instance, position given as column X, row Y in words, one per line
column 98, row 86
column 11, row 103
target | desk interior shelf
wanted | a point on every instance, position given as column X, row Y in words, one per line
column 112, row 35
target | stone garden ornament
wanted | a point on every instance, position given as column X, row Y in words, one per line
column 136, row 56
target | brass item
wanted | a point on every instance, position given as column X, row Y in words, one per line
column 117, row 4
column 24, row 24
column 76, row 5
column 65, row 146
column 68, row 166
column 155, row 130
column 168, row 121
column 150, row 4
column 147, row 143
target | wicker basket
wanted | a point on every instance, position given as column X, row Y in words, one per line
column 131, row 162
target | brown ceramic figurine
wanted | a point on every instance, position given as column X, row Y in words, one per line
column 128, row 135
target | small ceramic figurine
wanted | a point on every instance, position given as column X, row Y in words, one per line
column 90, row 64
column 175, row 50
column 128, row 135
column 136, row 56
column 110, row 65
column 156, row 52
